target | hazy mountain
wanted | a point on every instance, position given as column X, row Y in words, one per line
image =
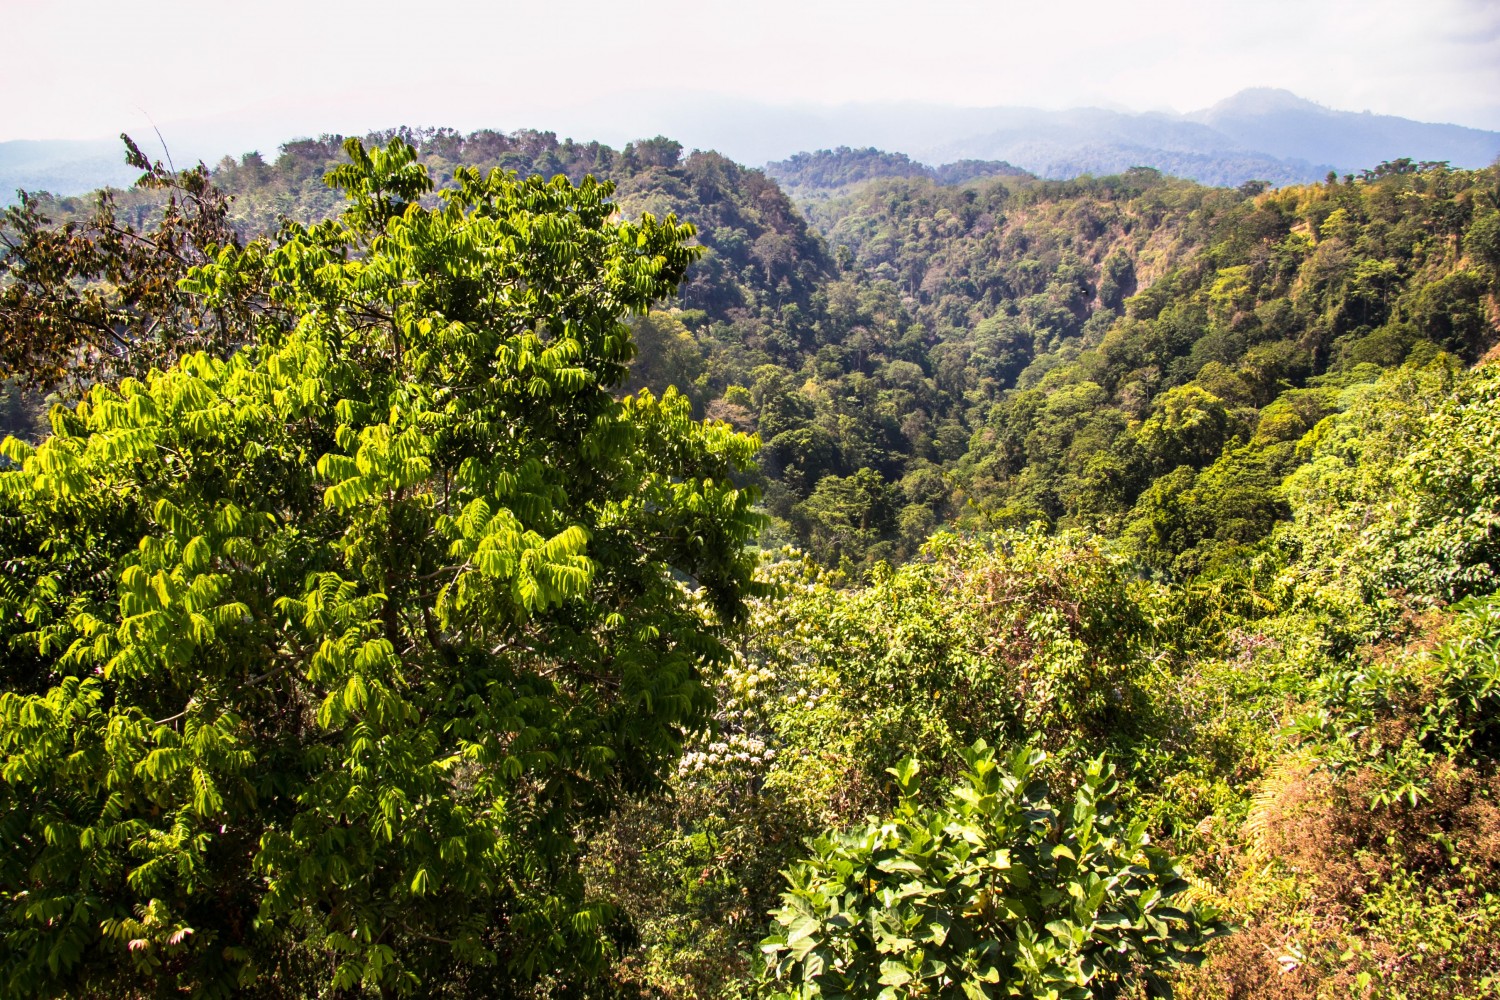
column 1098, row 141
column 1259, row 134
column 1262, row 134
column 1282, row 124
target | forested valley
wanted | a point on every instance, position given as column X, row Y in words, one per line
column 628, row 573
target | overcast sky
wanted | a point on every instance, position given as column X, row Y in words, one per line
column 266, row 69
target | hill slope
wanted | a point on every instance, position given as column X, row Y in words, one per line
column 1092, row 353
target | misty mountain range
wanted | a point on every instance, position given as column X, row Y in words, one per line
column 1258, row 134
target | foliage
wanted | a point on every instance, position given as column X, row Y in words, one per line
column 1368, row 859
column 1016, row 637
column 1011, row 639
column 1402, row 715
column 322, row 657
column 995, row 892
column 1401, row 490
column 1241, row 424
column 809, row 176
column 1030, row 346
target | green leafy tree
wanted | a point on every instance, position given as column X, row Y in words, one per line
column 1482, row 241
column 995, row 892
column 1453, row 313
column 847, row 515
column 666, row 355
column 1188, row 427
column 321, row 657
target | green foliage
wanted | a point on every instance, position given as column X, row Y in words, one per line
column 996, row 892
column 1188, row 522
column 1051, row 347
column 696, row 869
column 815, row 176
column 389, row 651
column 847, row 516
column 1008, row 638
column 321, row 657
column 1482, row 241
column 1401, row 489
column 1451, row 701
column 1187, row 426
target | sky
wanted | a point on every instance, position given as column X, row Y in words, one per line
column 250, row 74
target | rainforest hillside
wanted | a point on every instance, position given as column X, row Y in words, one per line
column 1003, row 349
column 396, row 603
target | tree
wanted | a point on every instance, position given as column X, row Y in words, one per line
column 996, row 892
column 846, row 515
column 1188, row 426
column 667, row 354
column 321, row 657
column 1452, row 313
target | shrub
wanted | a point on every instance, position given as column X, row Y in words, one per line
column 994, row 892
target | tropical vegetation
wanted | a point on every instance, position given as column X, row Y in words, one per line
column 463, row 578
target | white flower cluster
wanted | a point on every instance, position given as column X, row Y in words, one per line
column 748, row 682
column 737, row 750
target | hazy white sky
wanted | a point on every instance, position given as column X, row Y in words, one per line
column 89, row 68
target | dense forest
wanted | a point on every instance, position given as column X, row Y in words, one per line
column 905, row 582
column 826, row 172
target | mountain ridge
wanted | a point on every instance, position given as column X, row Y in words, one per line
column 1261, row 133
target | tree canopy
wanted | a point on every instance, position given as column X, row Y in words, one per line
column 321, row 655
column 371, row 627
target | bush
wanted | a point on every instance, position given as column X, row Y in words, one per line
column 994, row 892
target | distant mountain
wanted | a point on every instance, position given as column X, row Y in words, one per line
column 1096, row 141
column 63, row 167
column 1282, row 124
column 1261, row 134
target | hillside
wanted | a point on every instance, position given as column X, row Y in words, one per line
column 812, row 176
column 1005, row 347
column 1078, row 322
